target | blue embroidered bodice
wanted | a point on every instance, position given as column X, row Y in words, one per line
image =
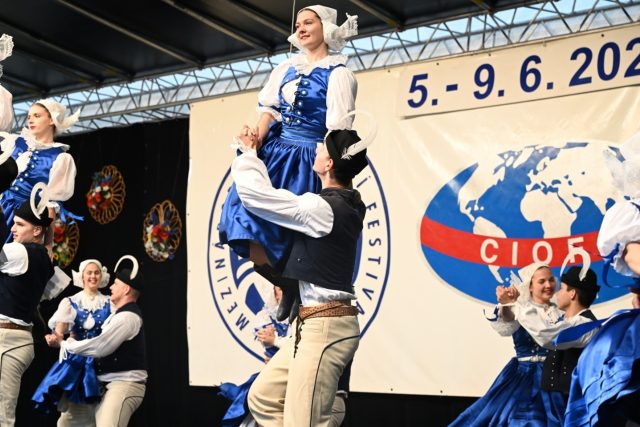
column 99, row 316
column 37, row 170
column 525, row 345
column 305, row 119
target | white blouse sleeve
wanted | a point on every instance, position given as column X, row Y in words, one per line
column 308, row 213
column 341, row 98
column 268, row 98
column 544, row 329
column 116, row 330
column 62, row 179
column 64, row 314
column 14, row 259
column 6, row 109
column 504, row 328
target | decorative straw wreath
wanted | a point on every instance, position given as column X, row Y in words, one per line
column 66, row 240
column 162, row 231
column 105, row 198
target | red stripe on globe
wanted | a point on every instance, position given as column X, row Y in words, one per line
column 503, row 251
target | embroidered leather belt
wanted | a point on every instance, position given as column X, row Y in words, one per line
column 535, row 358
column 11, row 325
column 337, row 308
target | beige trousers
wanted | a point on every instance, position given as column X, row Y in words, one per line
column 76, row 414
column 299, row 391
column 118, row 404
column 16, row 354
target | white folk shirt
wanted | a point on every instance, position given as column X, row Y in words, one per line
column 14, row 261
column 118, row 328
column 308, row 213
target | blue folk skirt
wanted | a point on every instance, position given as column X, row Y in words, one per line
column 606, row 381
column 289, row 163
column 515, row 399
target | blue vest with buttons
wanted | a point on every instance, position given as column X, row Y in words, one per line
column 37, row 170
column 305, row 119
column 99, row 316
column 525, row 345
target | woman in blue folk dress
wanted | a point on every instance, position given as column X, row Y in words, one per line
column 305, row 96
column 515, row 397
column 41, row 159
column 71, row 385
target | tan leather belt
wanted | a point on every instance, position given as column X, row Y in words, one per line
column 11, row 325
column 337, row 308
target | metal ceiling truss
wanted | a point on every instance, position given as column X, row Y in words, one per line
column 168, row 96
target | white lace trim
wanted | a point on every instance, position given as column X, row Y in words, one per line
column 34, row 144
column 89, row 302
column 302, row 66
column 270, row 110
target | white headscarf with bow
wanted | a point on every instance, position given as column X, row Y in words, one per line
column 59, row 114
column 335, row 37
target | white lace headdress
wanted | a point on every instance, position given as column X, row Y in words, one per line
column 522, row 280
column 59, row 114
column 6, row 48
column 335, row 37
column 77, row 275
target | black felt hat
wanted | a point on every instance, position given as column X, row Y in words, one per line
column 128, row 271
column 25, row 212
column 572, row 278
column 338, row 143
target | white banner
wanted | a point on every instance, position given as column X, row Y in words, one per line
column 456, row 202
column 576, row 64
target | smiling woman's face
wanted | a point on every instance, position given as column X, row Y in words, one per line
column 543, row 285
column 309, row 30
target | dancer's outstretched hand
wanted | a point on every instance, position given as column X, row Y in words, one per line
column 53, row 340
column 248, row 137
column 507, row 295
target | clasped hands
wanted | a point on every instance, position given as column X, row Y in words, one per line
column 249, row 137
column 54, row 339
column 507, row 295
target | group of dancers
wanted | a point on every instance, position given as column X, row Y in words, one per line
column 311, row 95
column 293, row 211
column 100, row 377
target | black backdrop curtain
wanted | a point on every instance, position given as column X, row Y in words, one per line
column 154, row 161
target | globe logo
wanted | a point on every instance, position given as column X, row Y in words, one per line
column 515, row 208
column 239, row 294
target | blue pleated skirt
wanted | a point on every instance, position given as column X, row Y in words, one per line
column 607, row 376
column 289, row 163
column 515, row 399
column 73, row 377
column 237, row 394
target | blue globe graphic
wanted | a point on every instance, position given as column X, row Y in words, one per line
column 535, row 193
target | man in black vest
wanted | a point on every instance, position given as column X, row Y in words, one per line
column 298, row 385
column 574, row 298
column 119, row 351
column 25, row 269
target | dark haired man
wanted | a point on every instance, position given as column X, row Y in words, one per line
column 574, row 297
column 298, row 385
column 25, row 269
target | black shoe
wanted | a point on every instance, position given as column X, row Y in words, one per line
column 290, row 291
column 267, row 272
column 287, row 303
column 295, row 309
